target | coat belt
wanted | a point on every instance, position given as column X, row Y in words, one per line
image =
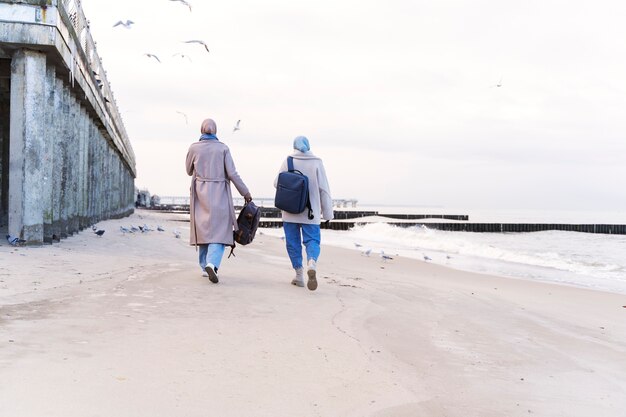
column 200, row 179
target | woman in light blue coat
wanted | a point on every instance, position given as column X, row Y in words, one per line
column 299, row 228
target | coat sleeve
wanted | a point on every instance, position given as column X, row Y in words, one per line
column 326, row 201
column 189, row 162
column 232, row 175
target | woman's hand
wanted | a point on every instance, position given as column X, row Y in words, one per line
column 247, row 198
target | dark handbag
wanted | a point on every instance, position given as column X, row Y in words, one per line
column 247, row 222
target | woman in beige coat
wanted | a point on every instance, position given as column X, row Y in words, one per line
column 212, row 214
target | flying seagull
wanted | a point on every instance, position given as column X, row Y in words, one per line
column 184, row 2
column 199, row 42
column 127, row 24
column 153, row 56
column 182, row 56
column 186, row 120
column 499, row 83
column 236, row 128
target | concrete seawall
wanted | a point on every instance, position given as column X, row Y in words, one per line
column 66, row 159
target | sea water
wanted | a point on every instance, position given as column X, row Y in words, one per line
column 596, row 261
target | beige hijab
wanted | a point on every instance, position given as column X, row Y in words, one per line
column 209, row 127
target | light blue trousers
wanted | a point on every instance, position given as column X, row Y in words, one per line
column 297, row 234
column 211, row 253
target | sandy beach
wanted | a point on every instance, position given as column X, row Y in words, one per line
column 125, row 325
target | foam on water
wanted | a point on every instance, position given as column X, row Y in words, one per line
column 587, row 260
column 596, row 261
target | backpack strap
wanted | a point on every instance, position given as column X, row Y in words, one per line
column 232, row 250
column 290, row 163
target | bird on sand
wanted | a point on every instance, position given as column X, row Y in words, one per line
column 236, row 128
column 367, row 252
column 127, row 24
column 385, row 257
column 153, row 56
column 124, row 229
column 199, row 42
column 160, row 229
column 184, row 3
column 99, row 232
column 177, row 234
column 15, row 241
column 357, row 245
column 427, row 258
column 184, row 115
column 93, row 227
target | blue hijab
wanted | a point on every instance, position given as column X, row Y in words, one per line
column 301, row 143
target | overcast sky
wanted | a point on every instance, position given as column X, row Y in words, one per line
column 398, row 97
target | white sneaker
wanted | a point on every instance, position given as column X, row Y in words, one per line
column 312, row 282
column 298, row 281
column 212, row 273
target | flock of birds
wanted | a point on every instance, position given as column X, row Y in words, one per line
column 384, row 256
column 145, row 229
column 16, row 241
column 128, row 24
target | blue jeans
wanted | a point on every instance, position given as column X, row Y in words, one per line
column 295, row 235
column 211, row 253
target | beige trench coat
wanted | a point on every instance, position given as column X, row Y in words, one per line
column 212, row 214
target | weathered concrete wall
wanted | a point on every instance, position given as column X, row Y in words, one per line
column 66, row 158
column 5, row 92
column 65, row 173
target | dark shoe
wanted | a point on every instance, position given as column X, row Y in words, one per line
column 210, row 269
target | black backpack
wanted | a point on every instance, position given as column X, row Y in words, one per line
column 248, row 222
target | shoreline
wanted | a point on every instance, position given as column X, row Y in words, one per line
column 145, row 334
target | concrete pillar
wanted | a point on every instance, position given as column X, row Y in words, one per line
column 28, row 74
column 90, row 174
column 72, row 150
column 82, row 174
column 64, row 162
column 5, row 102
column 57, row 158
column 48, row 157
column 85, row 222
